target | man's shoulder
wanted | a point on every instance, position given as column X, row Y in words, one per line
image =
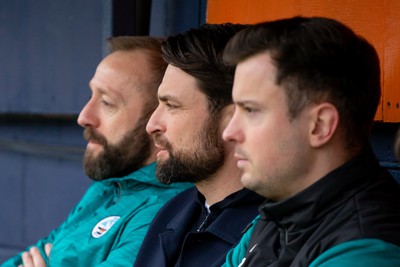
column 360, row 252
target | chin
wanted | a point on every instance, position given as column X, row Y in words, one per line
column 97, row 148
column 247, row 180
column 160, row 160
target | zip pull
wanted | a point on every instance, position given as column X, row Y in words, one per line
column 203, row 223
column 118, row 191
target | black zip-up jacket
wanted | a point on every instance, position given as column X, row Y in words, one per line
column 358, row 200
column 184, row 234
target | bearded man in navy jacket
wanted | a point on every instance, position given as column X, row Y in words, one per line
column 198, row 226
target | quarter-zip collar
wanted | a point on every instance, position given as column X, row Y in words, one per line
column 317, row 200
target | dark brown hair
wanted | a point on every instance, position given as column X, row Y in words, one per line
column 198, row 52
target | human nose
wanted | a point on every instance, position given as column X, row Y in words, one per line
column 233, row 132
column 155, row 125
column 87, row 116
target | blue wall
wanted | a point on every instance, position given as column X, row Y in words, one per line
column 41, row 178
column 383, row 137
column 48, row 52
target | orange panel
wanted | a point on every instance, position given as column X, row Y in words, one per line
column 391, row 68
column 378, row 21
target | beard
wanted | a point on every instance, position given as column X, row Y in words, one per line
column 121, row 159
column 196, row 165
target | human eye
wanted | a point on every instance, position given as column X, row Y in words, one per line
column 106, row 102
column 249, row 109
column 170, row 106
column 169, row 103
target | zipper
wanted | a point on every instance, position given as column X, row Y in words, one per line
column 284, row 234
column 203, row 224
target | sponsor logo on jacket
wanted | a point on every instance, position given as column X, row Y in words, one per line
column 102, row 227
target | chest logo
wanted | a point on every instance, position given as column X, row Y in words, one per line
column 102, row 227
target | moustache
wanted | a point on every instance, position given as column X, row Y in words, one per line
column 91, row 135
column 161, row 141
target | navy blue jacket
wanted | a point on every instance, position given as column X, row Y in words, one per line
column 184, row 234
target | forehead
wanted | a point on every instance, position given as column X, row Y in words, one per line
column 180, row 86
column 253, row 76
column 132, row 63
column 123, row 72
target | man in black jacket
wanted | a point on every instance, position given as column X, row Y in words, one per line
column 200, row 225
column 306, row 91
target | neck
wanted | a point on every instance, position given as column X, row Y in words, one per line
column 223, row 183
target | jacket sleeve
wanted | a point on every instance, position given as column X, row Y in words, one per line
column 237, row 254
column 360, row 253
column 16, row 260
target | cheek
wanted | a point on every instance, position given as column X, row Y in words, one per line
column 115, row 136
column 269, row 144
column 118, row 129
column 179, row 135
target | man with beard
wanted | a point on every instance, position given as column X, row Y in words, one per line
column 108, row 225
column 197, row 227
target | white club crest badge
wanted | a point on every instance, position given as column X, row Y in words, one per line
column 103, row 226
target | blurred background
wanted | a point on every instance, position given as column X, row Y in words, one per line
column 49, row 50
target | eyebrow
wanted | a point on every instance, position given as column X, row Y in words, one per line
column 103, row 91
column 165, row 98
column 243, row 102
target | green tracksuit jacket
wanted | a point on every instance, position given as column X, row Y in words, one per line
column 356, row 253
column 108, row 225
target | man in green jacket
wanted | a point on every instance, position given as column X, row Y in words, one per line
column 108, row 225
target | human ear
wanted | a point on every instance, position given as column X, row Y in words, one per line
column 324, row 124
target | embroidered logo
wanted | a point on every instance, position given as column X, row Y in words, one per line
column 102, row 227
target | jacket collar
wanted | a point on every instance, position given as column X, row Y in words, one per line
column 331, row 190
column 225, row 210
column 144, row 175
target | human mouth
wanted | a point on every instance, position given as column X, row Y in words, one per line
column 241, row 161
column 162, row 146
column 92, row 144
column 159, row 146
column 163, row 153
column 93, row 138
